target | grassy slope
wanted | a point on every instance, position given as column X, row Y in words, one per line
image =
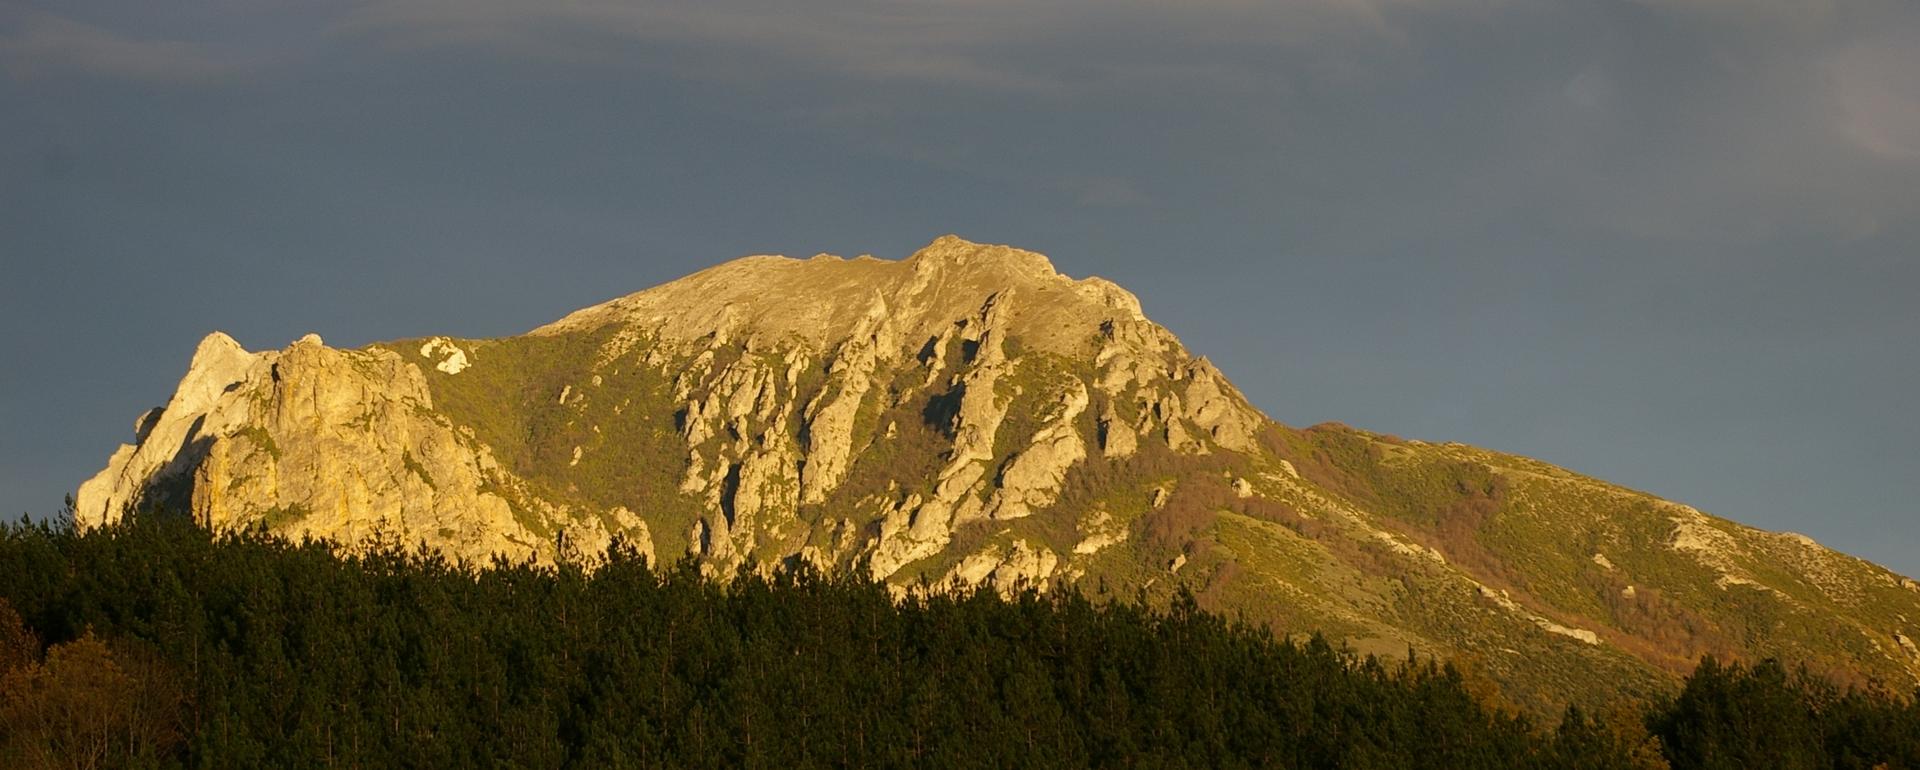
column 1533, row 530
column 1302, row 556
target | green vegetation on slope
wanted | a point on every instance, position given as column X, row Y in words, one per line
column 1383, row 542
column 1595, row 556
column 618, row 412
column 257, row 652
column 156, row 644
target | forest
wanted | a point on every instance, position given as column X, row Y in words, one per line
column 155, row 644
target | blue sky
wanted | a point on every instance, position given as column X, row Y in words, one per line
column 1670, row 243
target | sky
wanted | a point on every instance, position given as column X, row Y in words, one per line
column 1674, row 244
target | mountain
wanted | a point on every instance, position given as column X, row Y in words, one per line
column 968, row 414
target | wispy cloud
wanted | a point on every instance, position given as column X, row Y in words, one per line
column 35, row 44
column 918, row 43
column 1877, row 84
column 1034, row 45
column 1719, row 120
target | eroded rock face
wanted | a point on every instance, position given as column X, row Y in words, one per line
column 1023, row 564
column 830, row 417
column 1215, row 407
column 170, row 440
column 316, row 441
column 780, row 372
column 1033, row 477
column 964, row 416
column 1099, row 530
column 933, row 330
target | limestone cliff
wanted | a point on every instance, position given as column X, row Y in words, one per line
column 343, row 445
column 970, row 415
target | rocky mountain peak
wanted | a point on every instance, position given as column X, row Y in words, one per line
column 823, row 301
column 774, row 379
column 954, row 254
column 969, row 414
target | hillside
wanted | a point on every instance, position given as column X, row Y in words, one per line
column 968, row 415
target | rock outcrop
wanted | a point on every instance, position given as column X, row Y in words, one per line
column 970, row 416
column 342, row 445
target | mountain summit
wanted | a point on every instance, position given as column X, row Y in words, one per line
column 970, row 415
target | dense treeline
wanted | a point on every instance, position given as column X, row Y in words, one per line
column 156, row 645
column 1765, row 716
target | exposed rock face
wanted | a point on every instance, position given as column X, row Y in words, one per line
column 1033, row 477
column 829, row 428
column 969, row 416
column 455, row 359
column 316, row 441
column 169, row 439
column 1500, row 598
column 1215, row 407
column 1022, row 564
column 1098, row 531
column 778, row 369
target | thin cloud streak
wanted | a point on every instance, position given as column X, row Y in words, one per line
column 991, row 45
column 1878, row 86
column 1725, row 130
column 35, row 44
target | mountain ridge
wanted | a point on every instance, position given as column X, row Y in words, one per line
column 946, row 279
column 970, row 415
